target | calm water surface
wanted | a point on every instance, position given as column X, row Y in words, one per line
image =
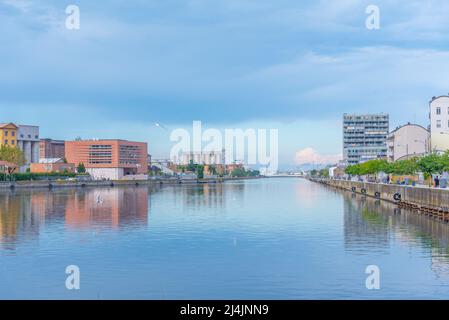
column 262, row 239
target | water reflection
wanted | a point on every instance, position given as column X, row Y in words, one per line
column 210, row 195
column 112, row 208
column 375, row 224
column 16, row 218
column 364, row 225
column 23, row 214
column 261, row 239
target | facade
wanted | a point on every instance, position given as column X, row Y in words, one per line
column 364, row 137
column 408, row 141
column 28, row 141
column 336, row 172
column 22, row 136
column 109, row 159
column 8, row 134
column 439, row 123
column 48, row 165
column 49, row 148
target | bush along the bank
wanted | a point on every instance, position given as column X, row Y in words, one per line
column 36, row 176
column 242, row 172
column 431, row 164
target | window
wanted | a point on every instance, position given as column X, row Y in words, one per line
column 13, row 142
column 438, row 110
column 6, row 133
column 13, row 133
column 6, row 141
column 438, row 123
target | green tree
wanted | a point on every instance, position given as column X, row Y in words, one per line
column 431, row 164
column 238, row 172
column 444, row 160
column 404, row 167
column 191, row 166
column 13, row 155
column 212, row 170
column 324, row 173
column 200, row 171
column 81, row 168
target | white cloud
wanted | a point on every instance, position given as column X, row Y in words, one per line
column 311, row 156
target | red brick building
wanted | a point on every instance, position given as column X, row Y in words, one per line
column 109, row 159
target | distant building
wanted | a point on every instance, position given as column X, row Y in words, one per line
column 8, row 134
column 439, row 123
column 49, row 148
column 336, row 172
column 109, row 159
column 408, row 141
column 364, row 137
column 52, row 165
column 209, row 158
column 22, row 136
column 28, row 141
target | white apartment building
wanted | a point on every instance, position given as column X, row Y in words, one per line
column 407, row 141
column 28, row 141
column 439, row 123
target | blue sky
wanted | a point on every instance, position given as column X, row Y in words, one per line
column 292, row 65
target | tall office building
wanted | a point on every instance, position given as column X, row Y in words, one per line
column 365, row 137
column 439, row 123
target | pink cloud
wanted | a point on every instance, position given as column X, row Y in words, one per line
column 310, row 155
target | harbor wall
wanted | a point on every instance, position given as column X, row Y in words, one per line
column 420, row 196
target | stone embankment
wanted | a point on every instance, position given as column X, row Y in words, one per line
column 50, row 184
column 430, row 201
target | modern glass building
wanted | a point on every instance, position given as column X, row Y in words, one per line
column 365, row 137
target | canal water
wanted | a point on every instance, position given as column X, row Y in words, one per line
column 282, row 238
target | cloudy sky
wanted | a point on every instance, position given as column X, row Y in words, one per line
column 292, row 65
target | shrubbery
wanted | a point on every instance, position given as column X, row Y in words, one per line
column 35, row 176
column 430, row 164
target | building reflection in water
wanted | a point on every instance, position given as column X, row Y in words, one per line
column 372, row 223
column 16, row 219
column 112, row 207
column 22, row 214
column 209, row 195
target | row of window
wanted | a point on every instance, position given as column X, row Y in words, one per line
column 13, row 142
column 438, row 111
column 366, row 151
column 13, row 134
